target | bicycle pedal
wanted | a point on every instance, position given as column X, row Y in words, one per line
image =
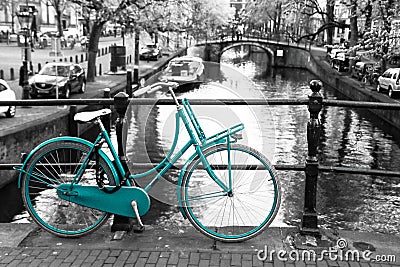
column 138, row 228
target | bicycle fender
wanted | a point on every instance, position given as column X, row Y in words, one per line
column 65, row 138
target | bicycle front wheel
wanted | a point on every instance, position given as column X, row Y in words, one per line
column 247, row 209
column 51, row 165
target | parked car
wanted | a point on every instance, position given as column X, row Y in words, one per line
column 394, row 61
column 333, row 53
column 68, row 77
column 150, row 51
column 7, row 94
column 44, row 40
column 13, row 37
column 389, row 81
column 372, row 74
column 340, row 62
column 361, row 69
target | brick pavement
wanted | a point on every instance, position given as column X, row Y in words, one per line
column 159, row 246
column 125, row 257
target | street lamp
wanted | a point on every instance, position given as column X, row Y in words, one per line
column 25, row 18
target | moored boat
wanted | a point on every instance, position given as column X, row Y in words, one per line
column 185, row 70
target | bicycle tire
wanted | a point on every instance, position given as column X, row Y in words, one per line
column 214, row 215
column 56, row 163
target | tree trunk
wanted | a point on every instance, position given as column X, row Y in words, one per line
column 278, row 18
column 59, row 23
column 330, row 16
column 353, row 23
column 368, row 17
column 92, row 50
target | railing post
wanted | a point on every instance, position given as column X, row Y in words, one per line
column 121, row 102
column 309, row 222
column 107, row 119
column 73, row 125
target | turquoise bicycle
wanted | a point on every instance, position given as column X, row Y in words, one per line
column 228, row 191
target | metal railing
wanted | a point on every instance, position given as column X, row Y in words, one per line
column 311, row 167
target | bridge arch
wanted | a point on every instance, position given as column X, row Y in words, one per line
column 268, row 50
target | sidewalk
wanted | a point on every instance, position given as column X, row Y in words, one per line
column 28, row 116
column 27, row 245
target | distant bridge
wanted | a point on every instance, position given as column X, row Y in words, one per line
column 278, row 52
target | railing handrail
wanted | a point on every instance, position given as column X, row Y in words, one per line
column 249, row 101
column 280, row 167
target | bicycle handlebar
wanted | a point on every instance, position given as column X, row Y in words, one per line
column 154, row 87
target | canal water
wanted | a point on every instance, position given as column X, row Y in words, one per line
column 349, row 138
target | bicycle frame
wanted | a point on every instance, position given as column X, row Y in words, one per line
column 90, row 196
column 200, row 142
column 80, row 178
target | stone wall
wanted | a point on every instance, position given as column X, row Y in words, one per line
column 350, row 88
column 26, row 138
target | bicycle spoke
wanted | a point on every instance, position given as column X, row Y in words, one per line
column 237, row 215
column 55, row 163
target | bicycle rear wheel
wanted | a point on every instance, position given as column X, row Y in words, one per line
column 51, row 165
column 238, row 215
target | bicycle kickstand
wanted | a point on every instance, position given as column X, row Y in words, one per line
column 140, row 226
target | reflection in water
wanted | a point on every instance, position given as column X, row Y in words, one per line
column 348, row 138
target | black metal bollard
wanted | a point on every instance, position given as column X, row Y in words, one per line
column 309, row 222
column 76, row 59
column 121, row 102
column 2, row 74
column 12, row 74
column 128, row 88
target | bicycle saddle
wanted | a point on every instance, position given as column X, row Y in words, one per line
column 87, row 116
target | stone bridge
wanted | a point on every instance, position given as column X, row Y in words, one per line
column 280, row 54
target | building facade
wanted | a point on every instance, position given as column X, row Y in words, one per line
column 45, row 18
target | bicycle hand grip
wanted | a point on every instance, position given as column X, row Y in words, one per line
column 155, row 88
column 141, row 91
